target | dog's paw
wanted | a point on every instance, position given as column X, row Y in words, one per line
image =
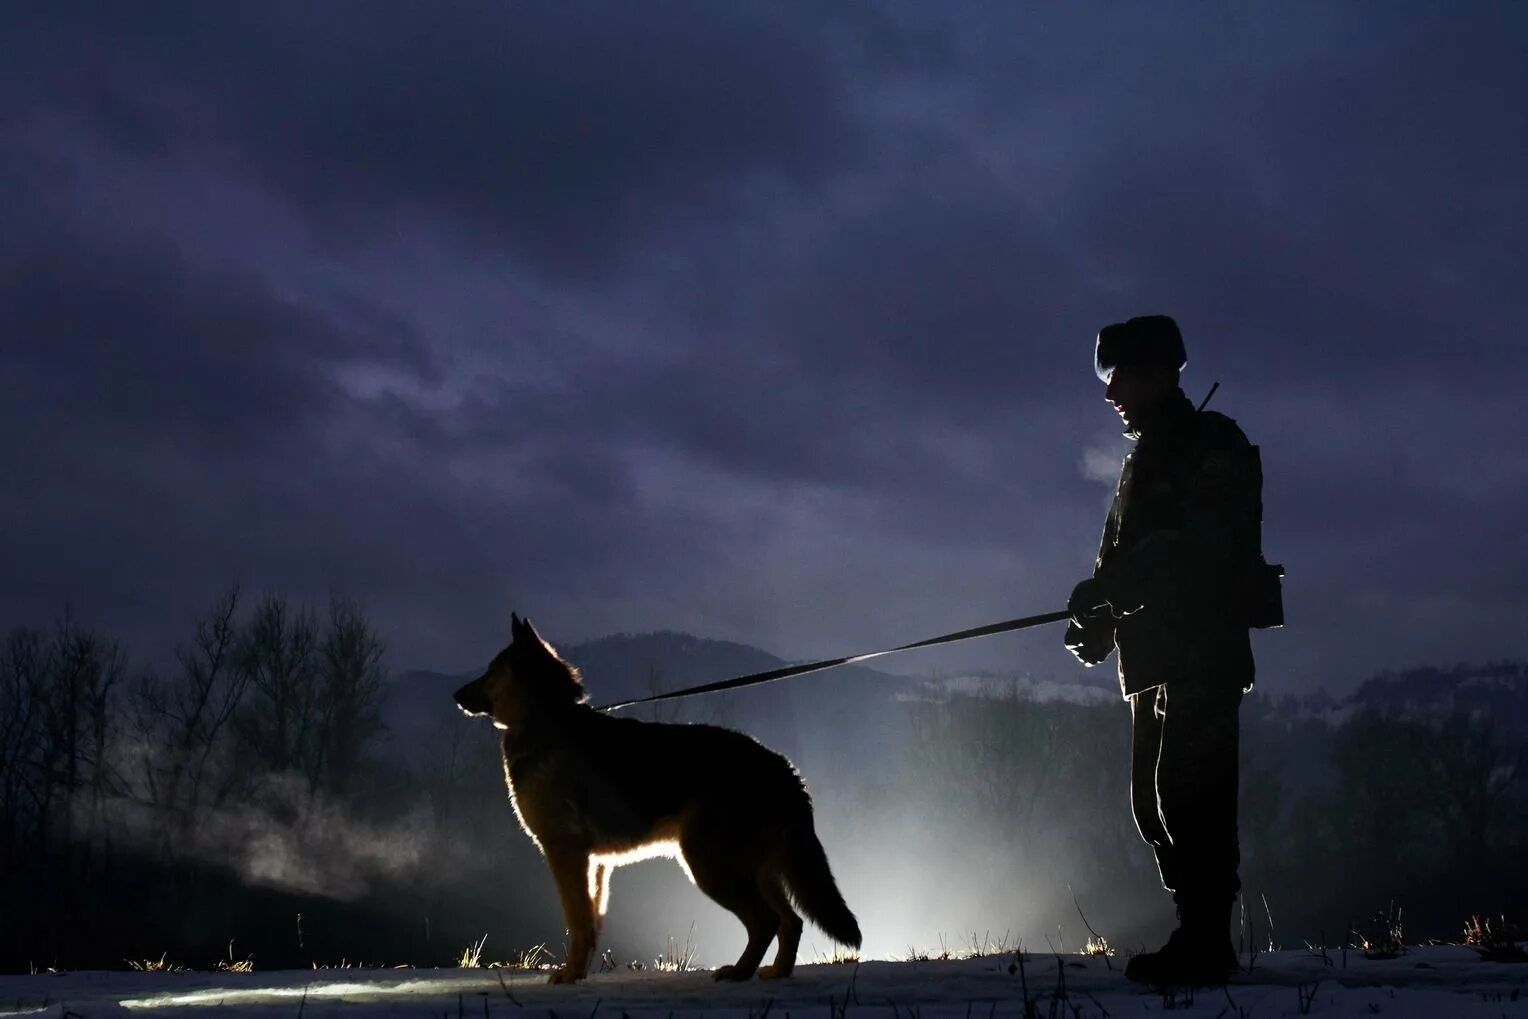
column 731, row 973
column 564, row 975
column 773, row 973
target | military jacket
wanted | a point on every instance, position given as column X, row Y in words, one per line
column 1181, row 547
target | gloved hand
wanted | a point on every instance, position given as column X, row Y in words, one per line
column 1112, row 590
column 1092, row 643
column 1086, row 601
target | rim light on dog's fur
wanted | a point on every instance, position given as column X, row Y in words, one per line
column 741, row 828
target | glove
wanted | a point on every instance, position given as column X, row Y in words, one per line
column 1086, row 601
column 1113, row 587
column 1092, row 643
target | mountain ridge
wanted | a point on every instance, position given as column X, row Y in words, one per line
column 624, row 666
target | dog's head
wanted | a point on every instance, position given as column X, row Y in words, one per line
column 525, row 678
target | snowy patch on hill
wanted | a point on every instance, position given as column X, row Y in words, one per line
column 1015, row 687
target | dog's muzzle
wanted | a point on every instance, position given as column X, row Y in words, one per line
column 473, row 698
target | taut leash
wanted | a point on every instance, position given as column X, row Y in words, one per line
column 831, row 663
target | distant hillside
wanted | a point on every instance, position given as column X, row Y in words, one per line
column 623, row 666
column 419, row 703
column 833, row 721
column 1095, row 687
column 1496, row 690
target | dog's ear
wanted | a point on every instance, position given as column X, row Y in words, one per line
column 524, row 634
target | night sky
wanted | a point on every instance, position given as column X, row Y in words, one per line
column 770, row 323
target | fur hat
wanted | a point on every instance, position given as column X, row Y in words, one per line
column 1145, row 339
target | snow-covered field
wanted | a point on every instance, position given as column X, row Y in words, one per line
column 1442, row 981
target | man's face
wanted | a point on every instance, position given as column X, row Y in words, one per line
column 1135, row 389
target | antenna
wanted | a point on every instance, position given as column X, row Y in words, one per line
column 1208, row 395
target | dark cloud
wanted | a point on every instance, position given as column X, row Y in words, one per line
column 764, row 322
column 134, row 335
column 571, row 132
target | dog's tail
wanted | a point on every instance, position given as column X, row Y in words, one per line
column 811, row 884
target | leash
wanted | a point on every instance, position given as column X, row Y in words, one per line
column 832, row 663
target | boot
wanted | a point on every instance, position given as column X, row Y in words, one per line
column 1198, row 953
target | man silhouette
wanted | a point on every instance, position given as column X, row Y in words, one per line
column 1173, row 590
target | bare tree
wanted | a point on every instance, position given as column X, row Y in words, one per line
column 350, row 713
column 182, row 726
column 55, row 730
column 277, row 654
column 1474, row 770
column 20, row 692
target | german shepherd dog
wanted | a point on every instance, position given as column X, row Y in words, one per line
column 582, row 786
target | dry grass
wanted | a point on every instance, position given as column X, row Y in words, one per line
column 232, row 965
column 839, row 956
column 1385, row 938
column 675, row 959
column 537, row 957
column 975, row 948
column 345, row 963
column 987, row 946
column 155, row 965
column 1495, row 940
column 1098, row 945
column 472, row 955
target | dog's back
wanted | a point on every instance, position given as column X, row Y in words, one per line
column 623, row 777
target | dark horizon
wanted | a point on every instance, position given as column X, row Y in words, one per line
column 765, row 324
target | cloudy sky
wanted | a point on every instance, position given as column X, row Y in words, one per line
column 767, row 322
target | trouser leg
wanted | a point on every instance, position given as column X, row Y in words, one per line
column 1189, row 817
column 1196, row 780
column 1145, row 751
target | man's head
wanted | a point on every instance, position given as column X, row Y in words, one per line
column 1139, row 360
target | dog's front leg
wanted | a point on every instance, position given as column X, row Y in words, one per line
column 570, row 869
column 599, row 891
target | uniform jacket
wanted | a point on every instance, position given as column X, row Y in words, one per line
column 1183, row 541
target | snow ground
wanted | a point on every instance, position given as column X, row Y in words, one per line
column 1441, row 981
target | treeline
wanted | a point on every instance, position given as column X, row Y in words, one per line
column 246, row 793
column 1346, row 811
column 251, row 792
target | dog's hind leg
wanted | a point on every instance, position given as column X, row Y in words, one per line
column 789, row 932
column 737, row 894
column 733, row 888
column 571, row 870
